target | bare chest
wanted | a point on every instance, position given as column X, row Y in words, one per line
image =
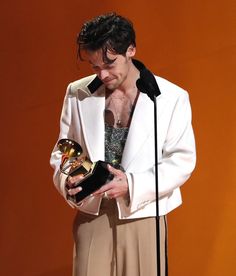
column 119, row 110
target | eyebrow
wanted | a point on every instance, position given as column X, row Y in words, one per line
column 104, row 64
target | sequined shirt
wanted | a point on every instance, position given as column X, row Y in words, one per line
column 115, row 139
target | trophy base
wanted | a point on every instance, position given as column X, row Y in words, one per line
column 93, row 180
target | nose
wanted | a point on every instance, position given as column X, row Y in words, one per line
column 103, row 74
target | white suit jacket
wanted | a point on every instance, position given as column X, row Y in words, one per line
column 82, row 120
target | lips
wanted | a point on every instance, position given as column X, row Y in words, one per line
column 106, row 81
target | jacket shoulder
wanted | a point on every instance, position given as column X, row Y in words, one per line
column 170, row 89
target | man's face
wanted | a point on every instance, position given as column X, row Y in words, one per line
column 115, row 74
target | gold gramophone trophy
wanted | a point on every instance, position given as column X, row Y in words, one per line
column 72, row 163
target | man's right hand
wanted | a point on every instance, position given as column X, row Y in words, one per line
column 74, row 181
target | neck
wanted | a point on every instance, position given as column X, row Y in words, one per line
column 130, row 83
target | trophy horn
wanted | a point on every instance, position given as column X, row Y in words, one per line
column 69, row 149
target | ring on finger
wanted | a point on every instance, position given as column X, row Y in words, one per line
column 106, row 196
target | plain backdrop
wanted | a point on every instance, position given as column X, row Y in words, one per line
column 191, row 43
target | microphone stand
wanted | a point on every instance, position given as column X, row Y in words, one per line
column 157, row 190
column 147, row 84
column 158, row 242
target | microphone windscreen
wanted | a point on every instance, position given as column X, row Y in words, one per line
column 147, row 84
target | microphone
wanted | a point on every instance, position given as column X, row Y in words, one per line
column 147, row 84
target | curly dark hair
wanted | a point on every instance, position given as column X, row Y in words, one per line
column 109, row 32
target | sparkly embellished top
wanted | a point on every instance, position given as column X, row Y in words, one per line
column 115, row 139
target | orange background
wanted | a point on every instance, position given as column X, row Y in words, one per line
column 191, row 43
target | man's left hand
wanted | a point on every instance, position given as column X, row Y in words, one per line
column 117, row 187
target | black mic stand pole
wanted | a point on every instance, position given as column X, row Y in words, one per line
column 153, row 97
column 157, row 190
column 148, row 84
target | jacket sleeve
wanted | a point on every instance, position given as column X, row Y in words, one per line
column 59, row 178
column 176, row 160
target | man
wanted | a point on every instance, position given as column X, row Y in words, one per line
column 112, row 118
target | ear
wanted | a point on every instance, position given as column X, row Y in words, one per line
column 131, row 51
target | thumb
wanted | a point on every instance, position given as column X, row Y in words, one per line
column 112, row 170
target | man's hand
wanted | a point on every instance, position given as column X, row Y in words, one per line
column 117, row 187
column 71, row 181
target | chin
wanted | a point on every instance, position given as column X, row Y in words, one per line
column 111, row 86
